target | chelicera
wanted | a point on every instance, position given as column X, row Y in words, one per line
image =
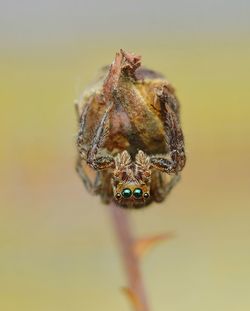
column 130, row 142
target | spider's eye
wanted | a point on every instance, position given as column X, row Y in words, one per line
column 126, row 193
column 137, row 193
column 118, row 195
column 146, row 195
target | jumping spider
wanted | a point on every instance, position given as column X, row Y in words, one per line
column 130, row 142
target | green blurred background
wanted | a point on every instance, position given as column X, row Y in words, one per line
column 57, row 247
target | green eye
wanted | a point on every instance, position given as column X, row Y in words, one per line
column 126, row 193
column 137, row 193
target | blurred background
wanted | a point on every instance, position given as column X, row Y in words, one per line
column 57, row 247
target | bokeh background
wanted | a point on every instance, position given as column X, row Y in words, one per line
column 58, row 250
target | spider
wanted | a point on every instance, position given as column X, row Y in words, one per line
column 130, row 142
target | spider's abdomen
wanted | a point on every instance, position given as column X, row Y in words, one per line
column 135, row 122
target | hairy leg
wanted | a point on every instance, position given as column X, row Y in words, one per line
column 92, row 187
column 82, row 147
column 93, row 159
column 174, row 161
column 161, row 188
column 90, row 154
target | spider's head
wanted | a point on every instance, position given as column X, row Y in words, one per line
column 131, row 180
column 132, row 194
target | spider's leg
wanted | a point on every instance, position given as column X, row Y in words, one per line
column 91, row 187
column 173, row 181
column 90, row 153
column 174, row 161
column 100, row 162
column 160, row 188
column 81, row 144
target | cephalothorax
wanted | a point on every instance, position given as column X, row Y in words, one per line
column 130, row 142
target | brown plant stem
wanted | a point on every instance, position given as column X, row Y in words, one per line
column 122, row 226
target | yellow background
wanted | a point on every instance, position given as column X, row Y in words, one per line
column 57, row 247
